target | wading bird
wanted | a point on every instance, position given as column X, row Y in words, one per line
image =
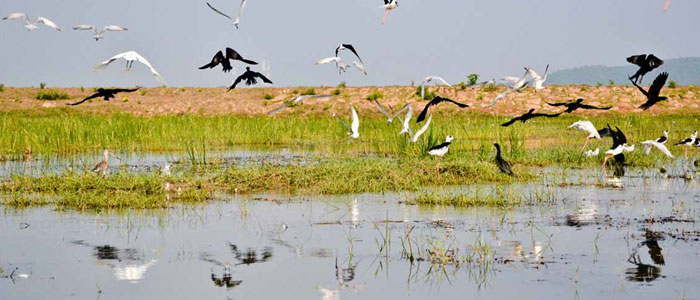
column 538, row 80
column 578, row 104
column 355, row 127
column 100, row 34
column 250, row 78
column 618, row 148
column 432, row 79
column 646, row 64
column 130, row 57
column 343, row 47
column 296, row 101
column 32, row 25
column 654, row 90
column 437, row 100
column 502, row 164
column 586, row 126
column 388, row 5
column 688, row 142
column 105, row 94
column 103, row 166
column 441, row 150
column 527, row 116
column 219, row 58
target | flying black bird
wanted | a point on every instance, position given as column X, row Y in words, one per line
column 106, row 94
column 646, row 63
column 437, row 100
column 250, row 78
column 572, row 106
column 348, row 47
column 502, row 163
column 527, row 116
column 654, row 90
column 219, row 58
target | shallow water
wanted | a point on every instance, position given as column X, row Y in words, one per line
column 631, row 238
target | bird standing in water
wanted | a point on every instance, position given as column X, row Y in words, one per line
column 103, row 166
column 502, row 163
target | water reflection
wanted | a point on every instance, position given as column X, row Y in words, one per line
column 226, row 279
column 646, row 272
column 250, row 256
column 128, row 264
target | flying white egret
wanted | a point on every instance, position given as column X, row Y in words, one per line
column 130, row 57
column 648, row 144
column 99, row 34
column 538, row 80
column 432, row 79
column 355, row 127
column 388, row 5
column 296, row 101
column 586, row 126
column 32, row 25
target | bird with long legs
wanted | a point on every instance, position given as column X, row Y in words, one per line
column 578, row 104
column 646, row 64
column 250, row 78
column 688, row 142
column 502, row 164
column 130, row 57
column 588, row 127
column 354, row 129
column 388, row 6
column 225, row 60
column 530, row 114
column 438, row 81
column 103, row 166
column 105, row 94
column 537, row 80
column 437, row 100
column 32, row 25
column 654, row 90
column 619, row 147
column 441, row 150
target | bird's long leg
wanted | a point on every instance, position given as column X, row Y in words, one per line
column 605, row 161
column 438, row 166
column 386, row 12
column 586, row 143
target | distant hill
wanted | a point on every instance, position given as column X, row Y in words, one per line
column 685, row 71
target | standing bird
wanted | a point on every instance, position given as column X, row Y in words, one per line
column 654, row 90
column 296, row 101
column 219, row 58
column 343, row 47
column 103, row 166
column 437, row 100
column 355, row 127
column 32, row 25
column 586, row 126
column 106, row 94
column 130, row 57
column 688, row 142
column 388, row 5
column 618, row 148
column 250, row 78
column 538, row 80
column 578, row 104
column 431, row 79
column 100, row 34
column 502, row 163
column 441, row 150
column 527, row 116
column 646, row 64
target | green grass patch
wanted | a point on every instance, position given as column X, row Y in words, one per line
column 376, row 95
column 51, row 95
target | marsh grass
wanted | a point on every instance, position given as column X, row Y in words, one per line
column 497, row 198
column 51, row 95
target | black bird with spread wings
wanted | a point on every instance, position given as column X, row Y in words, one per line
column 646, row 64
column 572, row 106
column 219, row 58
column 349, row 47
column 105, row 94
column 527, row 116
column 250, row 78
column 437, row 100
column 654, row 90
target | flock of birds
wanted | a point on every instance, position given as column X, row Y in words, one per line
column 516, row 84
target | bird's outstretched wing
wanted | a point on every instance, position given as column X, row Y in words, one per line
column 237, row 81
column 535, row 115
column 261, row 76
column 240, row 11
column 116, row 91
column 93, row 96
column 436, row 101
column 355, row 126
column 658, row 84
column 533, row 73
column 155, row 73
column 103, row 65
column 281, row 107
column 232, row 54
column 47, row 22
column 639, row 60
column 344, row 124
column 114, row 28
column 422, row 129
column 644, row 92
column 326, row 60
column 352, row 49
column 383, row 111
column 513, row 120
column 586, row 106
column 500, row 96
column 218, row 11
column 653, row 61
column 16, row 16
column 557, row 104
column 83, row 27
column 510, row 78
column 406, row 106
column 360, row 67
column 215, row 61
column 661, row 147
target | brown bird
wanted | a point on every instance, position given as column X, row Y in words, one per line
column 103, row 166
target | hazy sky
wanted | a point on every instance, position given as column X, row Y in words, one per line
column 448, row 38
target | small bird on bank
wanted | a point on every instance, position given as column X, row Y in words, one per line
column 441, row 150
column 654, row 91
column 688, row 142
column 586, row 126
column 437, row 100
column 538, row 81
column 578, row 104
column 130, row 57
column 354, row 129
column 646, row 64
column 103, row 166
column 100, row 34
column 105, row 94
column 32, row 25
column 502, row 164
column 527, row 116
column 388, row 5
column 296, row 101
column 219, row 58
column 250, row 78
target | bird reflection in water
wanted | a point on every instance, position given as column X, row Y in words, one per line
column 646, row 272
column 128, row 264
column 226, row 279
column 250, row 256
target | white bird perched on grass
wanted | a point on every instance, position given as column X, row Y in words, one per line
column 432, row 79
column 355, row 127
column 648, row 144
column 591, row 153
column 32, row 25
column 388, row 5
column 441, row 150
column 538, row 80
column 130, row 57
column 296, row 101
column 586, row 126
column 100, row 34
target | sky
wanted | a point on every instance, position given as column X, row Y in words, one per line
column 447, row 38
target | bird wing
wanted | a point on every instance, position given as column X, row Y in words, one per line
column 355, row 126
column 360, row 67
column 47, row 22
column 232, row 54
column 658, row 84
column 115, row 91
column 661, row 147
column 382, row 110
column 405, row 107
column 216, row 60
column 261, row 76
column 621, row 138
column 15, row 16
column 93, row 96
column 510, row 78
column 155, row 73
column 422, row 129
column 114, row 28
column 513, row 120
column 237, row 81
column 441, row 99
column 639, row 60
column 557, row 104
column 443, row 81
column 500, row 96
column 240, row 9
column 103, row 65
column 653, row 61
column 84, row 27
column 326, row 60
column 645, row 93
column 218, row 11
column 352, row 49
column 586, row 106
column 532, row 73
column 344, row 124
column 274, row 111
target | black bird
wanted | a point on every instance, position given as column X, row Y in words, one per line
column 219, row 58
column 527, row 116
column 572, row 106
column 646, row 63
column 502, row 163
column 249, row 77
column 654, row 90
column 106, row 94
column 437, row 100
column 663, row 139
column 349, row 47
